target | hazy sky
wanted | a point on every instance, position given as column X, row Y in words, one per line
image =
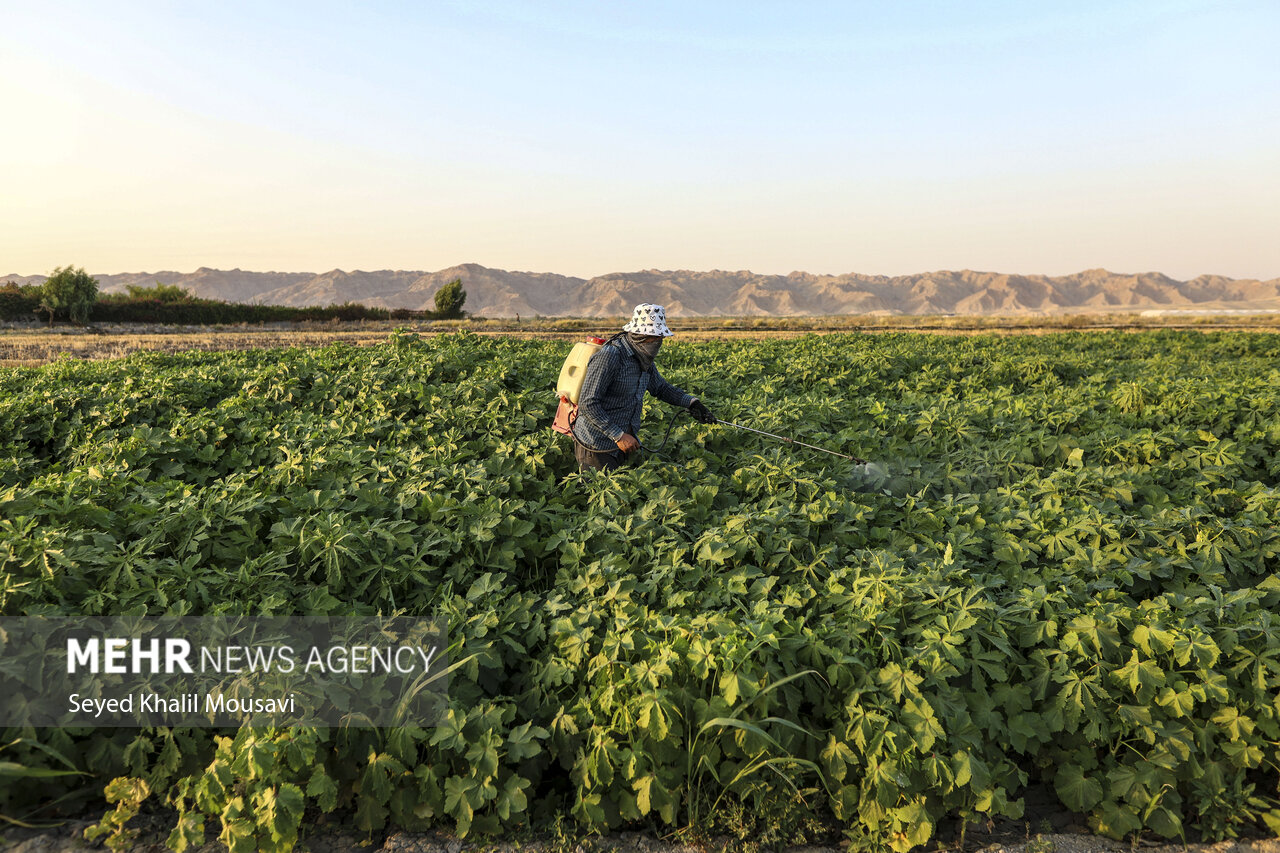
column 593, row 137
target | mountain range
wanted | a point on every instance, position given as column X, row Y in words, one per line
column 685, row 293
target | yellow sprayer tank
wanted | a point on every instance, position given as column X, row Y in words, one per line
column 575, row 369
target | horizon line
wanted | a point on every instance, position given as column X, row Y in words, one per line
column 7, row 277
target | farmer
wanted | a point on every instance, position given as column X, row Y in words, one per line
column 613, row 389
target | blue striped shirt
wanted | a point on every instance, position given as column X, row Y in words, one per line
column 612, row 396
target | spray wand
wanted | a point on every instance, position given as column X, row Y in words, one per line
column 853, row 459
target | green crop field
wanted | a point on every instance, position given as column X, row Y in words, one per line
column 1064, row 574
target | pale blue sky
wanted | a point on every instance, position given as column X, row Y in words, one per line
column 586, row 138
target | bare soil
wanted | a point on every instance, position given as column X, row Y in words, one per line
column 69, row 839
column 1047, row 828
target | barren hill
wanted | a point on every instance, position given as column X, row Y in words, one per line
column 500, row 293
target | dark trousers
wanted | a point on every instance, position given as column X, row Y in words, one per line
column 588, row 458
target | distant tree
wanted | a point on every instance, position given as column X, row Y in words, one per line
column 449, row 299
column 160, row 293
column 69, row 291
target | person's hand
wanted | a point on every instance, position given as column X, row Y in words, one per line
column 701, row 413
column 628, row 443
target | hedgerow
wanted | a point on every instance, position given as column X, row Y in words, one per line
column 152, row 305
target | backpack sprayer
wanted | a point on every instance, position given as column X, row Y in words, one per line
column 569, row 387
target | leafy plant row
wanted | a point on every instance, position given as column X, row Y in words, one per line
column 1067, row 576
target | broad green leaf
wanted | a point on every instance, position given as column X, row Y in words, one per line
column 1078, row 791
column 323, row 790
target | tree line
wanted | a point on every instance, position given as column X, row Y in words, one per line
column 70, row 294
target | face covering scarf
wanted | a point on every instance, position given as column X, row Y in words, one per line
column 645, row 350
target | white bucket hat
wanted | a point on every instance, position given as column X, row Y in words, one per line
column 649, row 319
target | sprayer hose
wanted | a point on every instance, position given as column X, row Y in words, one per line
column 658, row 450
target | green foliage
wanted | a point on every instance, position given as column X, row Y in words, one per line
column 159, row 292
column 19, row 302
column 1069, row 576
column 171, row 304
column 128, row 795
column 52, row 766
column 449, row 300
column 69, row 292
column 165, row 303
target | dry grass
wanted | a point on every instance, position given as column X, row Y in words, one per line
column 26, row 346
